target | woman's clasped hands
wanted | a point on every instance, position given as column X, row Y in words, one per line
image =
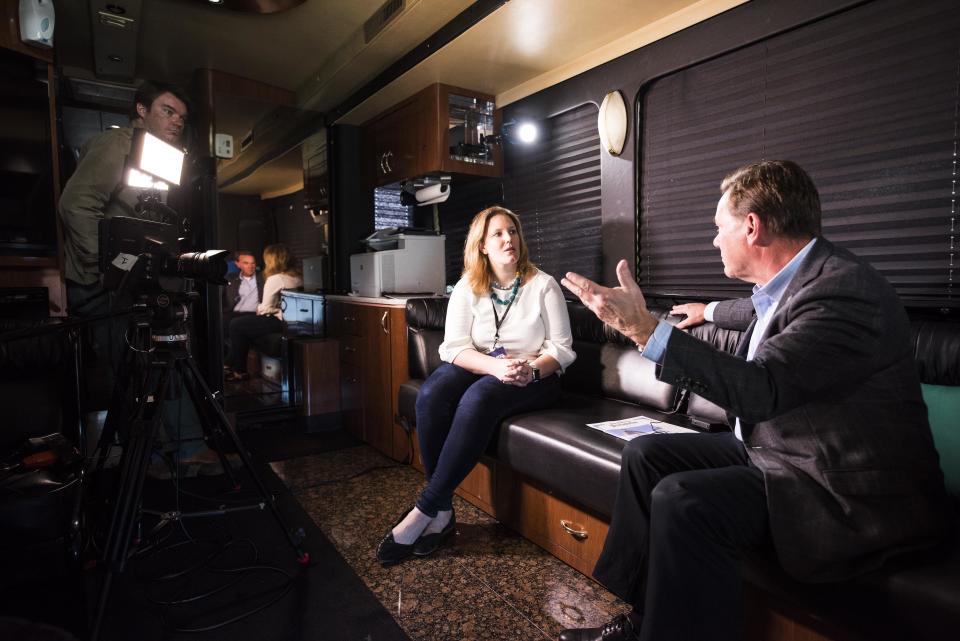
column 513, row 371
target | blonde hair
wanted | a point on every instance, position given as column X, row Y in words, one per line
column 476, row 264
column 277, row 259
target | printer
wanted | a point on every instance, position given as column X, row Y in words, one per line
column 404, row 264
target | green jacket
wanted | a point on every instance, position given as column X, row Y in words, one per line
column 95, row 191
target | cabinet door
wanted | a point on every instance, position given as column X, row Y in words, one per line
column 376, row 366
column 405, row 140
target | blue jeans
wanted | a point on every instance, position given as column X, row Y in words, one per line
column 457, row 414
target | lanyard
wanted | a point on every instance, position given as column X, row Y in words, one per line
column 498, row 320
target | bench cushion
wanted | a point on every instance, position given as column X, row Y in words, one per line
column 555, row 448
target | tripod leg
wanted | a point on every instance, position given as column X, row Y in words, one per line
column 208, row 420
column 198, row 389
column 136, row 459
column 118, row 408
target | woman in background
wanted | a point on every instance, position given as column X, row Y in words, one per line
column 281, row 272
column 506, row 339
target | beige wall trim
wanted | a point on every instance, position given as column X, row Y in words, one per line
column 640, row 38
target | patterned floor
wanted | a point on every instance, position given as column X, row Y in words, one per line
column 492, row 584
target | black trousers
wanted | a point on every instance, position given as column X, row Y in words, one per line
column 687, row 506
column 243, row 329
column 457, row 414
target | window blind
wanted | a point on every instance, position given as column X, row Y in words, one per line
column 554, row 187
column 865, row 100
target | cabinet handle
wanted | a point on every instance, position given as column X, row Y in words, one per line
column 349, row 319
column 383, row 322
column 387, row 155
column 304, row 310
column 350, row 379
column 383, row 158
column 575, row 530
column 347, row 348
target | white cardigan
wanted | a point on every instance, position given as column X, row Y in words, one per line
column 270, row 305
column 536, row 324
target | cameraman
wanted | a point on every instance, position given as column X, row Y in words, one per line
column 97, row 190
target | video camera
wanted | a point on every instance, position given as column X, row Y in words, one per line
column 145, row 253
column 142, row 258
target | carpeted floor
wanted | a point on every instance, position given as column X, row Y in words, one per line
column 491, row 584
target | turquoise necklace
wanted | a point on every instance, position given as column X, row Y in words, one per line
column 513, row 292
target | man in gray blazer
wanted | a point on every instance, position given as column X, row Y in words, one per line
column 830, row 461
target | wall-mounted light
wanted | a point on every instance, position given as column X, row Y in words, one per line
column 612, row 123
column 524, row 131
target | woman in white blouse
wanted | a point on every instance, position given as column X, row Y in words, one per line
column 281, row 272
column 506, row 340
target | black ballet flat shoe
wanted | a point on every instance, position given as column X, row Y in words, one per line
column 427, row 544
column 389, row 552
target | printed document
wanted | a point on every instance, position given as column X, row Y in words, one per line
column 631, row 428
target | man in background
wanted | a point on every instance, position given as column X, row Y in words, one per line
column 242, row 293
column 98, row 190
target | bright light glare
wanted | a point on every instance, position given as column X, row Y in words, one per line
column 140, row 180
column 527, row 132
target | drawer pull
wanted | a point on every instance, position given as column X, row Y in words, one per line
column 347, row 348
column 349, row 319
column 575, row 530
column 383, row 322
column 352, row 380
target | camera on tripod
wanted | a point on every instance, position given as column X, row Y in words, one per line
column 143, row 257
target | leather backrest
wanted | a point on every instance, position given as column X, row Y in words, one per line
column 936, row 350
column 425, row 319
column 608, row 364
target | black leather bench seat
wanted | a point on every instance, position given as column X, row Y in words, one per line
column 910, row 598
column 555, row 448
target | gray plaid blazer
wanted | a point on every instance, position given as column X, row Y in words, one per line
column 831, row 413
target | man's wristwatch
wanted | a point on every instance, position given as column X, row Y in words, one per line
column 536, row 374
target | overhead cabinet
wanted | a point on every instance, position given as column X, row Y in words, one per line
column 440, row 129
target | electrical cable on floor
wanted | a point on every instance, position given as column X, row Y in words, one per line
column 298, row 488
column 240, row 571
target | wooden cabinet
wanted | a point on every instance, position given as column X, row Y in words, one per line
column 373, row 364
column 429, row 133
column 31, row 249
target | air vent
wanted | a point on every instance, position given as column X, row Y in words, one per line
column 102, row 92
column 246, row 141
column 381, row 18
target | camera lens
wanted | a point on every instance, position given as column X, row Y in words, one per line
column 210, row 266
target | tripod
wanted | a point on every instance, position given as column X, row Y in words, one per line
column 168, row 361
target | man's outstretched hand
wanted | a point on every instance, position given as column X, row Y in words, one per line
column 622, row 308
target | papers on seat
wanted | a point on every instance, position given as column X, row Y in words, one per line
column 630, row 428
